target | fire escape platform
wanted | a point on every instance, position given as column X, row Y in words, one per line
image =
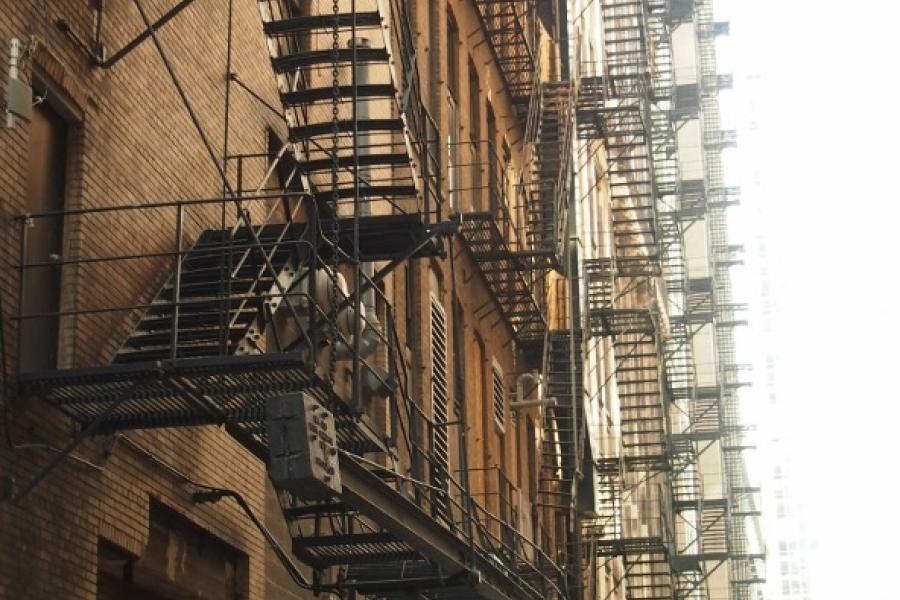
column 385, row 237
column 632, row 546
column 187, row 392
column 411, row 552
column 621, row 321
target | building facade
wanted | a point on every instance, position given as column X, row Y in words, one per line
column 369, row 298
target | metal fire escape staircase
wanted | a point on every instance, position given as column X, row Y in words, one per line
column 548, row 199
column 206, row 349
column 700, row 522
column 642, row 542
column 561, row 421
column 627, row 128
column 746, row 567
column 638, row 361
column 510, row 28
column 748, row 562
column 519, row 238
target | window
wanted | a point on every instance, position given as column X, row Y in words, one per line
column 205, row 567
column 475, row 142
column 499, row 397
column 453, row 112
column 491, row 158
column 453, row 154
column 452, row 56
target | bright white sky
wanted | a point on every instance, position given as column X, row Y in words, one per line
column 815, row 107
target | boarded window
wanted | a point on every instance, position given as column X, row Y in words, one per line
column 459, row 357
column 439, row 401
column 499, row 397
column 180, row 561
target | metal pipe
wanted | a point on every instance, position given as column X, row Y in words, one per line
column 356, row 74
column 176, row 289
column 23, row 249
column 15, row 53
column 520, row 401
column 543, row 403
column 164, row 204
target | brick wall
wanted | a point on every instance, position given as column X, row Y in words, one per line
column 133, row 142
column 130, row 141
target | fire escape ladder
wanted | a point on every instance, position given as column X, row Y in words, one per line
column 495, row 231
column 641, row 541
column 662, row 53
column 590, row 107
column 701, row 529
column 648, row 576
column 681, row 372
column 510, row 27
column 561, row 423
column 627, row 128
column 548, row 196
column 350, row 91
column 665, row 159
column 606, row 529
column 643, row 414
column 699, row 301
column 687, row 491
column 691, row 584
column 673, row 262
column 693, row 200
column 604, row 317
column 510, row 282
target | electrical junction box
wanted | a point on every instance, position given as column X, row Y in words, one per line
column 303, row 452
column 18, row 99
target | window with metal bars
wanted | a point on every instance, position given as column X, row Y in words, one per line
column 499, row 397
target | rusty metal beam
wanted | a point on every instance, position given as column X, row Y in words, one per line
column 372, row 497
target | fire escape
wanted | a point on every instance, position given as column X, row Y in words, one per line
column 271, row 322
column 708, row 415
column 678, row 532
column 510, row 27
column 515, row 226
column 623, row 107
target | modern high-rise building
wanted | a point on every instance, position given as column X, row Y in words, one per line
column 369, row 299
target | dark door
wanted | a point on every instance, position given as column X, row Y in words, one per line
column 45, row 191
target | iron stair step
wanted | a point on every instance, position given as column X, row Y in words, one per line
column 307, row 23
column 189, row 320
column 365, row 160
column 318, row 94
column 310, row 58
column 142, row 340
column 300, row 133
column 187, row 351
